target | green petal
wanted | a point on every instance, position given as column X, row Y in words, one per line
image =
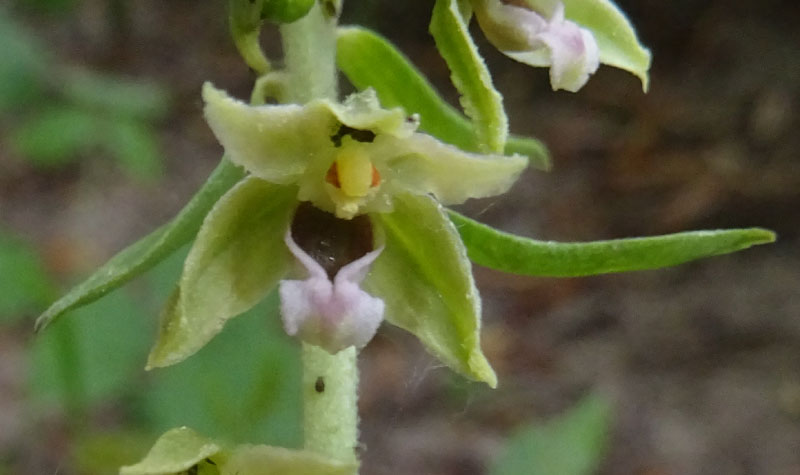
column 273, row 142
column 481, row 101
column 426, row 165
column 278, row 143
column 238, row 257
column 148, row 251
column 509, row 253
column 267, row 460
column 363, row 111
column 425, row 279
column 615, row 36
column 370, row 61
column 176, row 451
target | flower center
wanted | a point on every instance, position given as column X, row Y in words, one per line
column 354, row 174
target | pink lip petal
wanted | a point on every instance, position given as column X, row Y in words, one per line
column 333, row 315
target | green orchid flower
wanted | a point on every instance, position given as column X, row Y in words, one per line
column 352, row 193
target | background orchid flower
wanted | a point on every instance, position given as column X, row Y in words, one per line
column 538, row 34
column 345, row 159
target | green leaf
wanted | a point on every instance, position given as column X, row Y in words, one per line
column 238, row 257
column 519, row 255
column 25, row 284
column 571, row 444
column 425, row 279
column 134, row 144
column 56, row 135
column 267, row 460
column 480, row 100
column 369, row 60
column 176, row 451
column 150, row 250
column 128, row 97
column 615, row 36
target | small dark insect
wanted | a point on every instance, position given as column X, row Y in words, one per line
column 319, row 386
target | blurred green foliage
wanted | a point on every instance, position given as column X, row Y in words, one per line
column 572, row 443
column 24, row 283
column 56, row 114
column 241, row 388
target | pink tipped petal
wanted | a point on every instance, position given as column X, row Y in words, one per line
column 333, row 315
column 540, row 35
column 312, row 266
column 573, row 52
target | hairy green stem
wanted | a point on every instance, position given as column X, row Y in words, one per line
column 330, row 382
column 330, row 417
column 309, row 47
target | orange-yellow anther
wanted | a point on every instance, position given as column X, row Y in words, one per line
column 354, row 172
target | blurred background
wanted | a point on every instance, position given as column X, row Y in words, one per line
column 684, row 371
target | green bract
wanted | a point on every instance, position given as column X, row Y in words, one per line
column 347, row 159
column 179, row 451
column 480, row 100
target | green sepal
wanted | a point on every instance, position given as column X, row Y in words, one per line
column 615, row 36
column 519, row 255
column 425, row 279
column 238, row 257
column 480, row 100
column 150, row 250
column 369, row 60
column 176, row 451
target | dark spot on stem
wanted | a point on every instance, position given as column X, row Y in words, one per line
column 319, row 385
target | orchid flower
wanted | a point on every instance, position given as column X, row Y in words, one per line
column 351, row 166
column 538, row 34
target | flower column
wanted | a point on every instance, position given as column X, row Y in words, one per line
column 330, row 382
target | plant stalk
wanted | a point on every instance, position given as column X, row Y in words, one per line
column 330, row 382
column 330, row 409
column 309, row 47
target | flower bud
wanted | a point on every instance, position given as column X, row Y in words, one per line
column 285, row 11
